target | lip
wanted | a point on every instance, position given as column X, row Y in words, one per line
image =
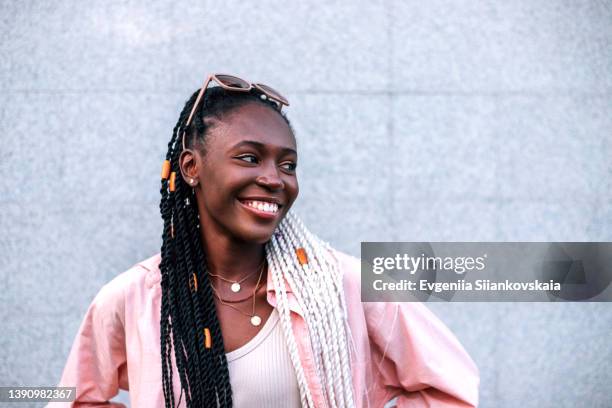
column 259, row 213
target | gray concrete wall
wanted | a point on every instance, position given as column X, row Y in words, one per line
column 437, row 120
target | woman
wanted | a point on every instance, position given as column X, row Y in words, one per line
column 244, row 306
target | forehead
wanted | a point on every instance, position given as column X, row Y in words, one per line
column 251, row 122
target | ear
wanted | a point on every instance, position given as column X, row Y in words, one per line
column 190, row 163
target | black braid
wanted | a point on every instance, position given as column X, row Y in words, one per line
column 185, row 313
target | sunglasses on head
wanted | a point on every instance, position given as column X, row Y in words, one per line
column 233, row 83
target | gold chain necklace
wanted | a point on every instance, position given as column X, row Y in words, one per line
column 255, row 319
column 235, row 287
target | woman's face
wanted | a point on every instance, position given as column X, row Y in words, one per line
column 246, row 181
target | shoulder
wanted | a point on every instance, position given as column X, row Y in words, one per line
column 143, row 274
column 152, row 273
column 111, row 298
column 347, row 263
column 349, row 267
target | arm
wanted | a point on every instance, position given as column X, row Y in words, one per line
column 420, row 361
column 97, row 363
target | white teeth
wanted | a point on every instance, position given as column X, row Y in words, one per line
column 263, row 206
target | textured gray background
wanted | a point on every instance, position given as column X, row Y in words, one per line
column 436, row 120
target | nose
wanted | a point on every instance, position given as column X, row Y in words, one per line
column 270, row 179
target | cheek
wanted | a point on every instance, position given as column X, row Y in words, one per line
column 220, row 193
column 214, row 195
column 297, row 189
column 293, row 189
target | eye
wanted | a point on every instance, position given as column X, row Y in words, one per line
column 291, row 166
column 248, row 158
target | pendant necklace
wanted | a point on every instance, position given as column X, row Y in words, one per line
column 235, row 287
column 255, row 319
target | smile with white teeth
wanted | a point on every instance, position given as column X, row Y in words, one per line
column 271, row 208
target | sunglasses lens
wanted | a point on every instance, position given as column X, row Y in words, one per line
column 272, row 93
column 232, row 81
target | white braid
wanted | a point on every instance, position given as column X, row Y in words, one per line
column 282, row 304
column 303, row 299
column 313, row 278
column 318, row 288
column 324, row 252
column 349, row 333
column 335, row 290
column 308, row 292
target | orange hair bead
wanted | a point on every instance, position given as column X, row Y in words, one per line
column 207, row 338
column 195, row 283
column 301, row 255
column 172, row 181
column 165, row 169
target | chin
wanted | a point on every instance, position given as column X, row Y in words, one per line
column 257, row 232
column 259, row 237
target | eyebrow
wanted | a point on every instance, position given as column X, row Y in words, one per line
column 261, row 146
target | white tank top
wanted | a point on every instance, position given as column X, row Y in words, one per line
column 261, row 372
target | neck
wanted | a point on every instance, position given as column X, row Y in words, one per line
column 229, row 258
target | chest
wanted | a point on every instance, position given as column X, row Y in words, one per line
column 235, row 320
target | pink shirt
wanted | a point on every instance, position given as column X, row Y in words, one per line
column 402, row 349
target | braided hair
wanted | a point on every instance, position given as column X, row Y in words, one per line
column 189, row 328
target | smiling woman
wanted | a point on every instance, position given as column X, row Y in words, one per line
column 247, row 166
column 244, row 306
